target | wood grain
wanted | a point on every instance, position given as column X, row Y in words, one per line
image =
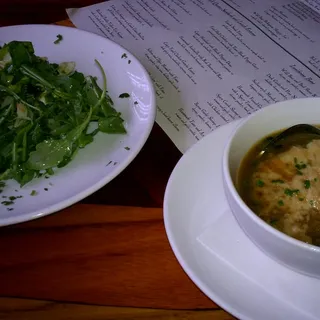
column 105, row 255
column 38, row 310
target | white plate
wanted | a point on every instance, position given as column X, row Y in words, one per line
column 107, row 156
column 214, row 251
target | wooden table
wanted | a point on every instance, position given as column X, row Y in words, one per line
column 107, row 257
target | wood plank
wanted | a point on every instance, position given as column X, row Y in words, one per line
column 115, row 256
column 11, row 308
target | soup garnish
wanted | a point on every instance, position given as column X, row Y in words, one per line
column 283, row 188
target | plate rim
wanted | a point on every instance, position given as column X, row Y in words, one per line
column 119, row 168
column 188, row 270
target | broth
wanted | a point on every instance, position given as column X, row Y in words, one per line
column 283, row 188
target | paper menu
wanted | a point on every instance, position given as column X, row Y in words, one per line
column 214, row 61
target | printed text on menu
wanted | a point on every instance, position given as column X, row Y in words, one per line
column 214, row 61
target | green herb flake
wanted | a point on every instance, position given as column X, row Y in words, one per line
column 2, row 184
column 260, row 183
column 127, row 148
column 315, row 179
column 124, row 56
column 273, row 222
column 311, row 202
column 280, row 203
column 299, row 173
column 9, row 209
column 295, row 160
column 277, row 181
column 7, row 203
column 129, row 61
column 124, row 95
column 33, row 193
column 45, row 189
column 12, row 198
column 59, row 39
column 301, row 199
column 307, row 184
column 136, row 102
column 300, row 166
column 291, row 192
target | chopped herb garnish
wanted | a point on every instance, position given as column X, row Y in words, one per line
column 299, row 173
column 124, row 95
column 12, row 198
column 59, row 39
column 301, row 199
column 115, row 163
column 295, row 160
column 45, row 189
column 7, row 203
column 280, row 203
column 108, row 163
column 2, row 184
column 9, row 209
column 307, row 184
column 277, row 181
column 124, row 56
column 129, row 61
column 33, row 193
column 260, row 183
column 136, row 102
column 291, row 192
column 315, row 179
column 273, row 222
column 127, row 148
column 311, row 202
column 300, row 166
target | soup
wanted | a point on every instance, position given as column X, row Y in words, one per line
column 283, row 188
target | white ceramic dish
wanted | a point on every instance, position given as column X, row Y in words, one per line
column 214, row 251
column 108, row 155
column 296, row 254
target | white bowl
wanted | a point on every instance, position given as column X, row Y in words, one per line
column 300, row 256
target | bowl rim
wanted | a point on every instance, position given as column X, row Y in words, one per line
column 235, row 195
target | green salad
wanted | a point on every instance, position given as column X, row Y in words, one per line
column 45, row 112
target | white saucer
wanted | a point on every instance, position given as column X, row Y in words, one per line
column 214, row 251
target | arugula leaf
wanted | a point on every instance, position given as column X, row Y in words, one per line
column 21, row 52
column 111, row 124
column 45, row 111
column 51, row 153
